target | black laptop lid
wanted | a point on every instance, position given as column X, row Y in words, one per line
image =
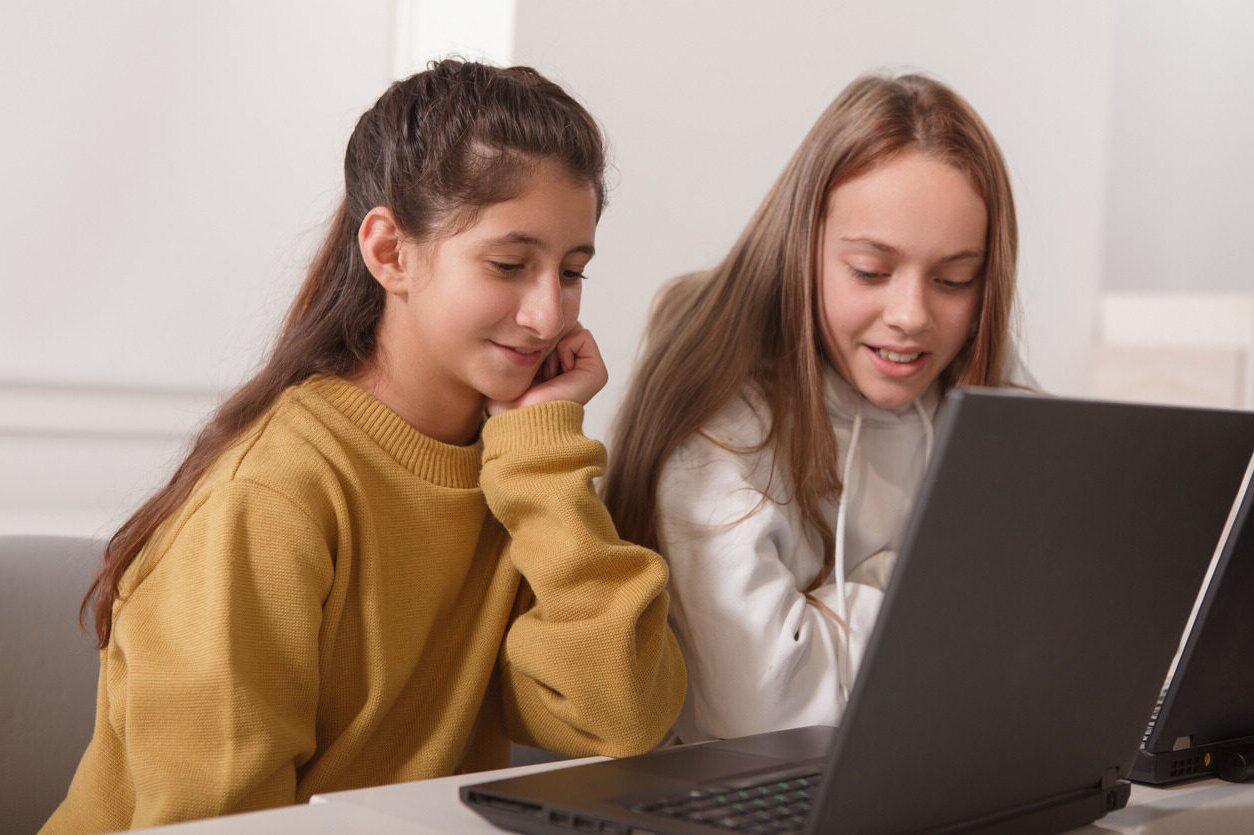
column 1211, row 696
column 1083, row 530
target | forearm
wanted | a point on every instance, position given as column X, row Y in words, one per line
column 760, row 655
column 591, row 665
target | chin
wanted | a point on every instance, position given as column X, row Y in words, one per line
column 504, row 392
column 890, row 400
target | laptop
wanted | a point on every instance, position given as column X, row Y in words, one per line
column 1052, row 557
column 1204, row 722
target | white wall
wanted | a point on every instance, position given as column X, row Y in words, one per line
column 705, row 101
column 167, row 167
column 1178, row 318
column 1181, row 185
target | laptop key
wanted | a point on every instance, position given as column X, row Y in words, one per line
column 770, row 806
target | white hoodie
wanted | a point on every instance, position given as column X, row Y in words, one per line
column 760, row 657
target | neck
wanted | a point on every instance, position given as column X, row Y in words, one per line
column 425, row 405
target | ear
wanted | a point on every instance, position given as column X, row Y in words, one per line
column 379, row 238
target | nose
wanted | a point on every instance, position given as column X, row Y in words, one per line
column 540, row 309
column 906, row 306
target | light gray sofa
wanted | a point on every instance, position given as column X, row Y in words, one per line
column 48, row 672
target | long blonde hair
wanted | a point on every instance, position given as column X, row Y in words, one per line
column 755, row 317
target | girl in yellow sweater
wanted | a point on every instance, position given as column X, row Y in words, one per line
column 355, row 578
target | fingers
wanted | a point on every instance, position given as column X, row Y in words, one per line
column 550, row 368
column 580, row 353
column 573, row 371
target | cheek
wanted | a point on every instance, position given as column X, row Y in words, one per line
column 829, row 304
column 843, row 315
column 961, row 317
column 836, row 330
column 488, row 302
column 571, row 298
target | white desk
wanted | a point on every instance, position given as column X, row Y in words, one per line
column 432, row 807
column 432, row 803
column 323, row 819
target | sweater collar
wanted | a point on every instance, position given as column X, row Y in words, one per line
column 447, row 465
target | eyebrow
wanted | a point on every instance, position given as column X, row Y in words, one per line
column 532, row 240
column 887, row 249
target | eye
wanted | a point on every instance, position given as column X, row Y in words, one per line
column 864, row 275
column 952, row 284
column 505, row 267
column 573, row 275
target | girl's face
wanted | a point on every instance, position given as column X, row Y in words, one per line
column 488, row 304
column 900, row 256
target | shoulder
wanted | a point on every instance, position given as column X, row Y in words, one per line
column 728, row 454
column 291, row 451
column 737, row 429
column 283, row 483
column 228, row 524
column 289, row 460
column 1016, row 372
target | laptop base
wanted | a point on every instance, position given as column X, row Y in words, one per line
column 1166, row 767
column 1057, row 814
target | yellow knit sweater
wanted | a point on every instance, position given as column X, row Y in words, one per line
column 338, row 604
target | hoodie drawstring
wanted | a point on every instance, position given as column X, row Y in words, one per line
column 842, row 605
column 928, row 432
column 843, row 660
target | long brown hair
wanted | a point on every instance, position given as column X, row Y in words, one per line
column 754, row 319
column 433, row 149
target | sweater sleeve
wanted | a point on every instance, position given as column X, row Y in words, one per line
column 760, row 656
column 213, row 665
column 592, row 665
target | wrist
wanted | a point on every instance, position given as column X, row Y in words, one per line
column 542, row 423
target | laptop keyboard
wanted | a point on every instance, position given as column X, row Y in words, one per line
column 773, row 806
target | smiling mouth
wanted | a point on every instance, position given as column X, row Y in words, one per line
column 893, row 356
column 522, row 354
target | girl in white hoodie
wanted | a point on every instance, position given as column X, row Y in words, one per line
column 778, row 425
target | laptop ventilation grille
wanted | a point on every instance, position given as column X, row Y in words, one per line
column 1186, row 766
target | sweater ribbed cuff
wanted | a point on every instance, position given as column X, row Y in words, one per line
column 539, row 426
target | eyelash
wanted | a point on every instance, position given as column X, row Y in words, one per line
column 509, row 268
column 863, row 275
